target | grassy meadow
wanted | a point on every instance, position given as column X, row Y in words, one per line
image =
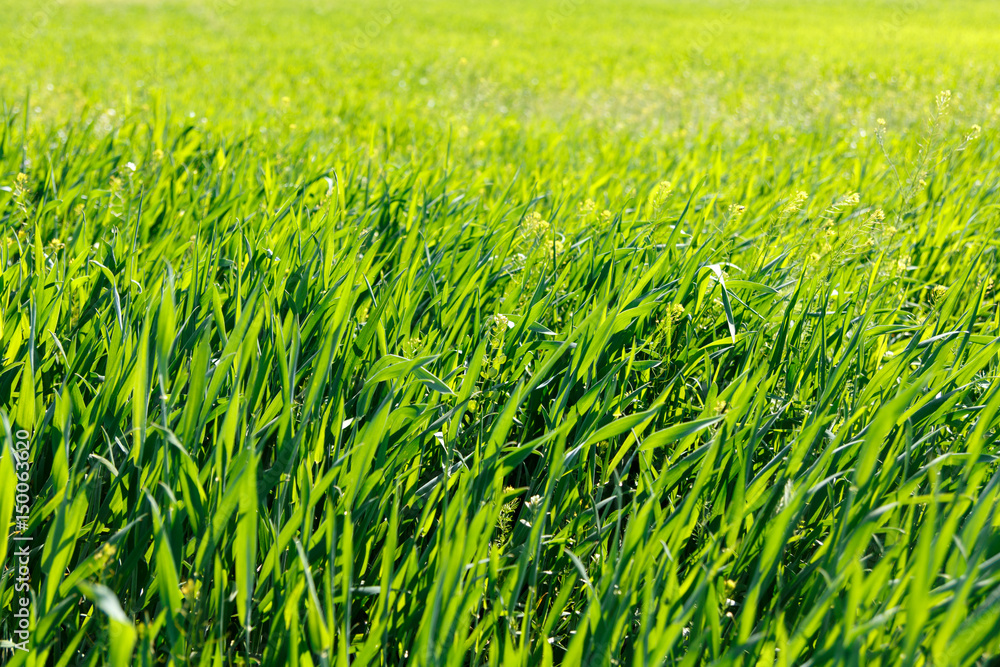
column 525, row 333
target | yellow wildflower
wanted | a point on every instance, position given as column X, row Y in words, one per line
column 660, row 194
column 534, row 224
column 795, row 203
column 943, row 101
column 676, row 313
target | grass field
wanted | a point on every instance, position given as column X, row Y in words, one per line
column 515, row 333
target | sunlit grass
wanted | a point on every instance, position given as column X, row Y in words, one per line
column 579, row 333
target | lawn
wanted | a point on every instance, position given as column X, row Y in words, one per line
column 546, row 332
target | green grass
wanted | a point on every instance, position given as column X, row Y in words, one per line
column 393, row 349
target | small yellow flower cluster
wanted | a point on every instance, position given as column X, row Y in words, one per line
column 880, row 129
column 587, row 207
column 974, row 133
column 534, row 224
column 943, row 101
column 737, row 209
column 21, row 195
column 500, row 325
column 105, row 555
column 676, row 313
column 190, row 589
column 795, row 203
column 560, row 247
column 492, row 364
column 660, row 194
column 874, row 224
column 938, row 293
column 535, row 228
column 903, row 263
column 411, row 346
column 852, row 199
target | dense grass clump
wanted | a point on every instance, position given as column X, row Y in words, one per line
column 584, row 333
